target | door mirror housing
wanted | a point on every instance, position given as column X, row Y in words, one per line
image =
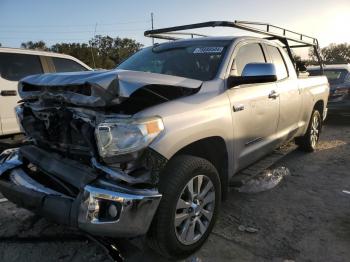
column 254, row 73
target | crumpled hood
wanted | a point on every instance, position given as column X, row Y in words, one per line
column 96, row 88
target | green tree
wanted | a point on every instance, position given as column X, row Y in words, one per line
column 112, row 51
column 336, row 53
column 101, row 51
column 81, row 51
column 333, row 54
column 40, row 45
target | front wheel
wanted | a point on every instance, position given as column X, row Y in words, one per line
column 309, row 141
column 188, row 209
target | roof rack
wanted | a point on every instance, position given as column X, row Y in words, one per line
column 244, row 25
column 273, row 32
column 173, row 35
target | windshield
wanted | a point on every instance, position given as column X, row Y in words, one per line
column 335, row 76
column 197, row 60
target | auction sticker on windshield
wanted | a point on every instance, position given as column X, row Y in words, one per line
column 208, row 50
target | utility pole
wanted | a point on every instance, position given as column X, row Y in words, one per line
column 152, row 27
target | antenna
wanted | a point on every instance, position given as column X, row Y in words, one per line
column 92, row 53
column 152, row 27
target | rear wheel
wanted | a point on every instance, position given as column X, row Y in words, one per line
column 187, row 212
column 308, row 142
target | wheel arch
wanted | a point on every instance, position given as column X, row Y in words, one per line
column 319, row 106
column 215, row 151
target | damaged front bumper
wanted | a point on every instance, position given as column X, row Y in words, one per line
column 100, row 207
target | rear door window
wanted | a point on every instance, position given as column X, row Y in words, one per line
column 14, row 67
column 278, row 61
column 67, row 65
column 250, row 53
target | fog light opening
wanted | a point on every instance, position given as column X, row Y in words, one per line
column 113, row 211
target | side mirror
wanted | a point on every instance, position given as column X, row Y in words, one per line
column 254, row 73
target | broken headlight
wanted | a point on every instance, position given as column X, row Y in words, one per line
column 122, row 136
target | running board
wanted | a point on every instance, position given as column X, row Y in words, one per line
column 265, row 163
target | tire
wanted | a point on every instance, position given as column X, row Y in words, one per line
column 308, row 142
column 175, row 241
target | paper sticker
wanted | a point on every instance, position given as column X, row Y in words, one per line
column 208, row 50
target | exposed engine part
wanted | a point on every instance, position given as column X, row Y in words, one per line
column 49, row 130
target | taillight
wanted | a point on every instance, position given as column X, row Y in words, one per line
column 341, row 91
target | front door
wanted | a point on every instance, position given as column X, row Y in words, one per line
column 255, row 112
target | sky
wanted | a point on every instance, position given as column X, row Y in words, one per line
column 76, row 21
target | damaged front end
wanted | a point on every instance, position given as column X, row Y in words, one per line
column 89, row 163
column 70, row 193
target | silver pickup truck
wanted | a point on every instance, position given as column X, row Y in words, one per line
column 150, row 147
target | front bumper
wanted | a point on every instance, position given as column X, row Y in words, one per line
column 338, row 103
column 133, row 213
column 100, row 207
column 342, row 106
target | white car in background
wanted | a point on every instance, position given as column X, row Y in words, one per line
column 18, row 63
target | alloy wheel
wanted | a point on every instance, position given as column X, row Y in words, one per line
column 315, row 130
column 194, row 209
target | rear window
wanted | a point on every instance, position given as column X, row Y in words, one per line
column 195, row 59
column 14, row 67
column 67, row 65
column 335, row 76
column 278, row 61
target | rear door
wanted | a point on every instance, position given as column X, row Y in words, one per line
column 255, row 115
column 289, row 92
column 14, row 67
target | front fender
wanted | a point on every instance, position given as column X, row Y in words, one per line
column 193, row 118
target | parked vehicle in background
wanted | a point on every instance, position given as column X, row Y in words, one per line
column 16, row 64
column 339, row 80
column 150, row 147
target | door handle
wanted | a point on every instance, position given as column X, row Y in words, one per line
column 8, row 93
column 273, row 94
column 238, row 108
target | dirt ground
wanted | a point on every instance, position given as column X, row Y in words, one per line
column 305, row 218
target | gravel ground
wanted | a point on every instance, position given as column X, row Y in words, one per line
column 305, row 218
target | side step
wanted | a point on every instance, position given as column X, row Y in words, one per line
column 258, row 167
